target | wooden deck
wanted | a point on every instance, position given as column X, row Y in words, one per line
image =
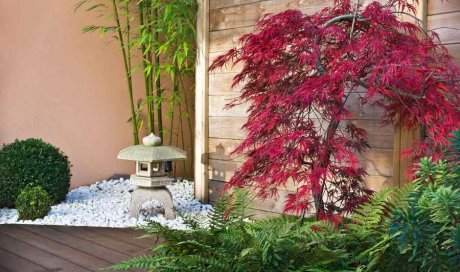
column 26, row 248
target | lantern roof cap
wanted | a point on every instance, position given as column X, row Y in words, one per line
column 152, row 153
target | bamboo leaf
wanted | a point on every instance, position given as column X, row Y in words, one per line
column 79, row 5
column 96, row 6
column 90, row 28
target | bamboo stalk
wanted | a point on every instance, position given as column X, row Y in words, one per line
column 171, row 125
column 159, row 92
column 173, row 106
column 181, row 131
column 127, row 72
column 128, row 38
column 148, row 92
column 189, row 121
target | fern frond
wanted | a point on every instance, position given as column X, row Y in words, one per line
column 144, row 262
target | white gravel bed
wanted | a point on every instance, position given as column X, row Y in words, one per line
column 106, row 204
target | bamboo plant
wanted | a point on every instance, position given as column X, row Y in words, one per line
column 157, row 37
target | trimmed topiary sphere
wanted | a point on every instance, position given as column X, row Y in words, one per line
column 33, row 161
column 33, row 202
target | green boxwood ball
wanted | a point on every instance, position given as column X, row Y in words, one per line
column 32, row 203
column 33, row 161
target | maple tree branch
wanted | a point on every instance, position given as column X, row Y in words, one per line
column 413, row 96
column 352, row 16
column 345, row 17
column 354, row 19
column 408, row 14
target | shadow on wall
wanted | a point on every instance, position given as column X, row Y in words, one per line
column 377, row 162
column 224, row 165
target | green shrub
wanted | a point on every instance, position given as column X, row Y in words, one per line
column 33, row 202
column 33, row 161
column 424, row 234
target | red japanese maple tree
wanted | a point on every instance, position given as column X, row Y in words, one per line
column 298, row 74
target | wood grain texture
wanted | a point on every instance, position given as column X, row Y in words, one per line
column 357, row 109
column 25, row 248
column 226, row 127
column 101, row 252
column 274, row 204
column 228, row 68
column 229, row 20
column 15, row 263
column 438, row 6
column 126, row 236
column 223, row 170
column 421, row 13
column 249, row 14
column 216, row 4
column 102, row 240
column 217, row 107
column 223, row 40
column 447, row 26
column 230, row 128
column 376, row 162
column 221, row 84
column 201, row 102
column 55, row 248
column 454, row 51
column 220, row 149
column 38, row 256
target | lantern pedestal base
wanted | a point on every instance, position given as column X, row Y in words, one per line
column 141, row 195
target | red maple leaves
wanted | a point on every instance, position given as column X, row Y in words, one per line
column 298, row 73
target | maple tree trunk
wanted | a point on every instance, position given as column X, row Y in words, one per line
column 318, row 196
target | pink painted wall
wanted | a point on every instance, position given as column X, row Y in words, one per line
column 63, row 86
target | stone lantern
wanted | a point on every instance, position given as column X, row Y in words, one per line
column 152, row 173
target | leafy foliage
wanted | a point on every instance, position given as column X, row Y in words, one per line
column 424, row 233
column 33, row 161
column 33, row 202
column 299, row 71
column 158, row 38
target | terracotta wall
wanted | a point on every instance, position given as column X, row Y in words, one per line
column 63, row 86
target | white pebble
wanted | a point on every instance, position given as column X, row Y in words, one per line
column 106, row 204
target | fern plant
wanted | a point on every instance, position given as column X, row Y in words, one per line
column 416, row 228
column 427, row 228
column 423, row 233
column 231, row 242
column 411, row 229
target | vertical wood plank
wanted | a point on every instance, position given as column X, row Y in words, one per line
column 402, row 137
column 397, row 154
column 422, row 12
column 201, row 102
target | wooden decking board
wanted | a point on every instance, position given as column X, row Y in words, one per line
column 101, row 252
column 38, row 256
column 16, row 263
column 25, row 248
column 4, row 269
column 63, row 251
column 132, row 238
column 104, row 241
